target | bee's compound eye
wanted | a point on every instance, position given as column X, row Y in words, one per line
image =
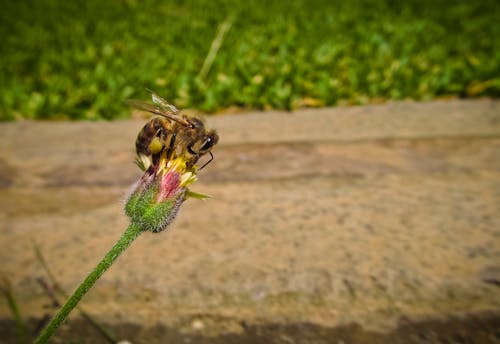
column 209, row 142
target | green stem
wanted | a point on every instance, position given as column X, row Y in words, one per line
column 125, row 240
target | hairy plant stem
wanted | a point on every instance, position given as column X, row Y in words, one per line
column 130, row 234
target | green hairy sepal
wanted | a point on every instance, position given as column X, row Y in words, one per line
column 144, row 210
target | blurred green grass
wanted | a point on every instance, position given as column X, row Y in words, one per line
column 80, row 60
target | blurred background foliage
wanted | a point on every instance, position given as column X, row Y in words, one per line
column 81, row 59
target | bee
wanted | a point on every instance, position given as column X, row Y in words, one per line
column 171, row 134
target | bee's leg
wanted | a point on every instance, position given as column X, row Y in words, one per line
column 208, row 162
column 151, row 170
column 156, row 158
column 170, row 149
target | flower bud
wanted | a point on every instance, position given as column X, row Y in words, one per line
column 156, row 198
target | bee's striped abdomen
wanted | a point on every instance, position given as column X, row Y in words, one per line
column 154, row 128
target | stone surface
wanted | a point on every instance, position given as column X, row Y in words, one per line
column 372, row 216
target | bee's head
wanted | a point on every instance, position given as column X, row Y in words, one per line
column 204, row 144
column 203, row 140
column 209, row 140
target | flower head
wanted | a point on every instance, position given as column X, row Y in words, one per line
column 156, row 198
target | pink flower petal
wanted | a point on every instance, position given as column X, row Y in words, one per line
column 169, row 185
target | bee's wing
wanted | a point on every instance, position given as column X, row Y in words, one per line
column 163, row 103
column 164, row 112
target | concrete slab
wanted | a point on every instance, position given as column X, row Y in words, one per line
column 325, row 225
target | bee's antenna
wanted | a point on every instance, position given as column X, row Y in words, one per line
column 208, row 162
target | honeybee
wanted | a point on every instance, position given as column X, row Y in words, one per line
column 172, row 134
